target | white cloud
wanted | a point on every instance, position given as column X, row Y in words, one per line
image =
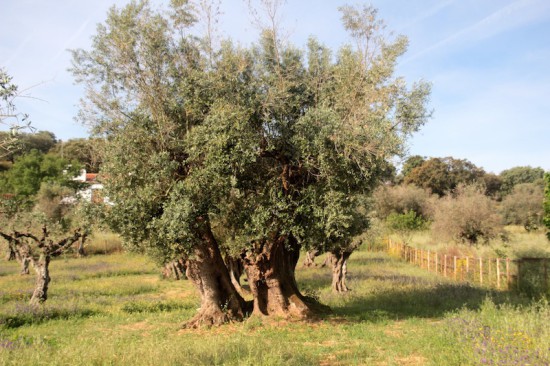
column 511, row 16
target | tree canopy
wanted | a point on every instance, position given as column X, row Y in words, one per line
column 270, row 144
column 31, row 170
column 518, row 175
column 442, row 175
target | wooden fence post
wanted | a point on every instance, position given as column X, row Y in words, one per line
column 480, row 271
column 454, row 267
column 508, row 278
column 498, row 273
column 436, row 264
column 428, row 261
column 489, row 271
column 545, row 264
column 445, row 266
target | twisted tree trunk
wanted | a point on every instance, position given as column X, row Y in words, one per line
column 220, row 301
column 24, row 265
column 235, row 267
column 175, row 269
column 338, row 261
column 270, row 269
column 41, row 266
column 309, row 260
column 80, row 250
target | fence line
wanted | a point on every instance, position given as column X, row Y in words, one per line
column 499, row 273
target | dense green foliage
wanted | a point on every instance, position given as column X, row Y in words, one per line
column 86, row 151
column 524, row 206
column 31, row 170
column 403, row 224
column 42, row 141
column 442, row 175
column 518, row 175
column 257, row 140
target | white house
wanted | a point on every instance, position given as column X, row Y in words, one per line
column 93, row 192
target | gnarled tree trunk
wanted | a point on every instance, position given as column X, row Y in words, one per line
column 338, row 261
column 270, row 269
column 41, row 266
column 235, row 267
column 80, row 250
column 175, row 269
column 309, row 260
column 220, row 301
column 24, row 265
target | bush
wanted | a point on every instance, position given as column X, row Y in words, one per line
column 467, row 215
column 401, row 200
column 524, row 206
column 405, row 224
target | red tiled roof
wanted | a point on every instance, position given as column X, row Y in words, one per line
column 91, row 177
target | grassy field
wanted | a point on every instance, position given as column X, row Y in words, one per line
column 116, row 310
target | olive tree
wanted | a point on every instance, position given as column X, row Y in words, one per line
column 35, row 233
column 9, row 116
column 276, row 150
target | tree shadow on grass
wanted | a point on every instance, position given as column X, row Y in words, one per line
column 399, row 304
column 396, row 296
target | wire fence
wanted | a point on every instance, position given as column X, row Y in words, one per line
column 499, row 273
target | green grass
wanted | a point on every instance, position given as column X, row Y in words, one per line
column 116, row 310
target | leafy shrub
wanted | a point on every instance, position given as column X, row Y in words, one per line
column 467, row 215
column 400, row 200
column 406, row 223
column 524, row 206
column 518, row 175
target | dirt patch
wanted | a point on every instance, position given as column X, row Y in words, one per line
column 412, row 360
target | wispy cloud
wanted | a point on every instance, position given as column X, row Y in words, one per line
column 427, row 14
column 15, row 54
column 70, row 41
column 514, row 15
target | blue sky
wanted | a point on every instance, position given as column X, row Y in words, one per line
column 488, row 61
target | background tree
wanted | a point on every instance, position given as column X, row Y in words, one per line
column 43, row 141
column 442, row 175
column 524, row 206
column 37, row 233
column 87, row 151
column 411, row 163
column 38, row 250
column 30, row 170
column 517, row 175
